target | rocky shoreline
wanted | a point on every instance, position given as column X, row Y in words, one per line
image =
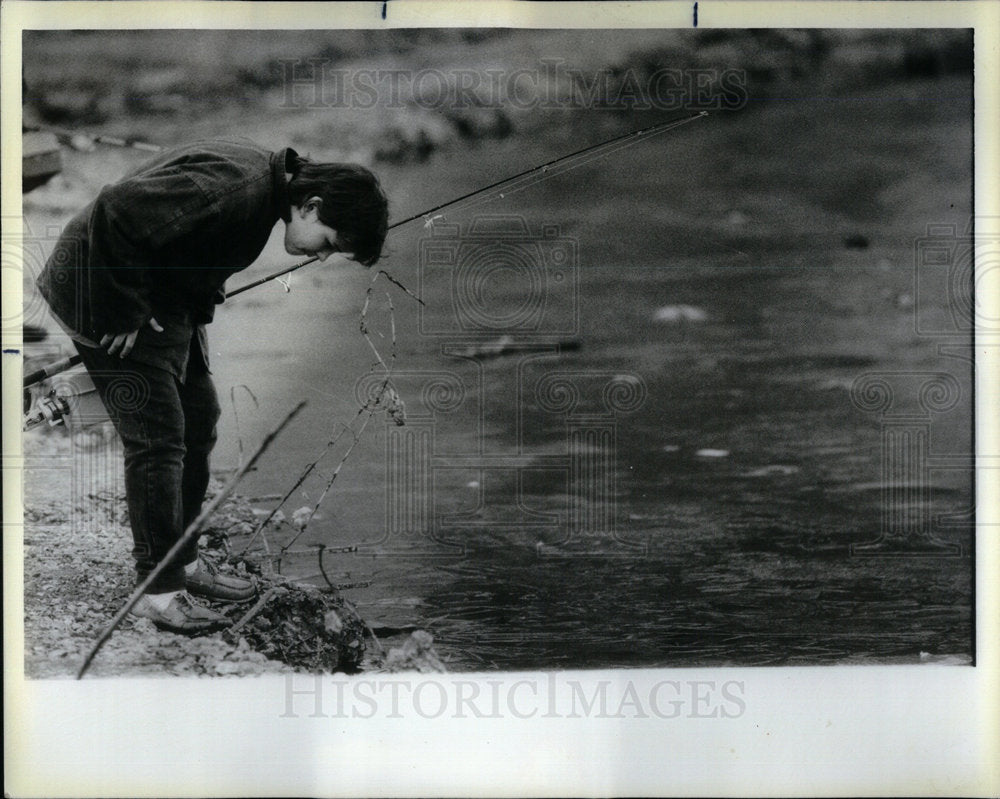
column 78, row 573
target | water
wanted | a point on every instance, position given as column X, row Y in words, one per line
column 710, row 519
column 738, row 488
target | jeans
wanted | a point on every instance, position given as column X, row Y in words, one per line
column 167, row 425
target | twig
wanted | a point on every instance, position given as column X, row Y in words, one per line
column 339, row 586
column 392, row 330
column 236, row 416
column 367, row 626
column 326, row 489
column 267, row 545
column 369, row 406
column 395, row 282
column 301, row 479
column 257, row 608
column 312, row 549
column 319, row 559
column 192, row 531
column 264, row 498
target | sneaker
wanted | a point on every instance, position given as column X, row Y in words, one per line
column 182, row 615
column 207, row 582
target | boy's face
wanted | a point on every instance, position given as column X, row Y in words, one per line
column 305, row 234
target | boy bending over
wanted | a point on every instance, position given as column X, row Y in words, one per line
column 134, row 279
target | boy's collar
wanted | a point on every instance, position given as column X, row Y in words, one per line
column 282, row 162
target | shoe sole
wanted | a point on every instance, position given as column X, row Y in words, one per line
column 212, row 628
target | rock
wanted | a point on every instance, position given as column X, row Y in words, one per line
column 416, row 654
column 332, row 622
column 144, row 627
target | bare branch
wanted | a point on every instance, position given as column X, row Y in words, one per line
column 236, row 416
column 193, row 530
column 257, row 608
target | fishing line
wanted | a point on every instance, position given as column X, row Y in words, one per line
column 514, row 183
column 522, row 180
column 506, row 187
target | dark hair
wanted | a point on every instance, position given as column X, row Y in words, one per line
column 353, row 204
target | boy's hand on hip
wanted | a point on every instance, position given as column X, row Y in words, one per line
column 121, row 345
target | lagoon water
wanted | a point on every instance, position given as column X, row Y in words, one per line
column 647, row 453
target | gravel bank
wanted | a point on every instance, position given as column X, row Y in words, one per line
column 78, row 573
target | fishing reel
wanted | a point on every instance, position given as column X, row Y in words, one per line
column 51, row 409
column 70, row 399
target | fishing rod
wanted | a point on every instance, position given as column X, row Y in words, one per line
column 513, row 183
column 500, row 189
column 76, row 139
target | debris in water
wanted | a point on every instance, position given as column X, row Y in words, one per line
column 394, row 405
column 506, row 345
column 775, row 469
column 301, row 517
column 679, row 313
column 712, row 453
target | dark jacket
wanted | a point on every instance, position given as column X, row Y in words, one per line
column 162, row 241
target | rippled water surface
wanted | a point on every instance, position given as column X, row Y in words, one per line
column 731, row 473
